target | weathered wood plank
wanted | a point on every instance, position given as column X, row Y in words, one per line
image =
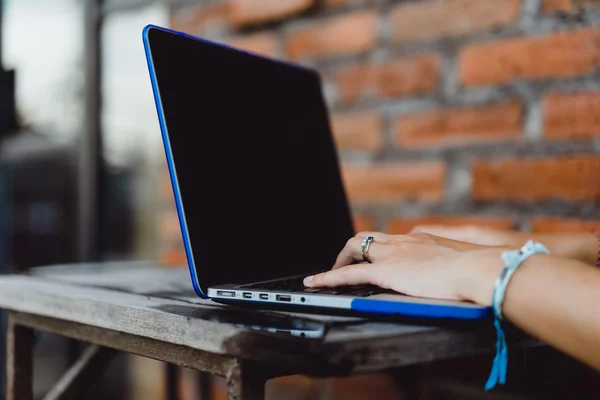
column 156, row 318
column 163, row 319
column 19, row 361
column 147, row 279
column 82, row 373
column 168, row 321
column 163, row 351
column 152, row 303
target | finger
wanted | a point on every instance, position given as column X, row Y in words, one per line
column 349, row 275
column 344, row 258
column 353, row 252
column 448, row 236
column 378, row 236
column 431, row 229
column 450, row 232
column 457, row 244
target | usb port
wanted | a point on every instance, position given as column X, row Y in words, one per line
column 225, row 294
column 281, row 297
column 247, row 295
column 264, row 296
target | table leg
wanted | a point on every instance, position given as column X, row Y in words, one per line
column 172, row 381
column 205, row 385
column 246, row 382
column 19, row 361
column 408, row 380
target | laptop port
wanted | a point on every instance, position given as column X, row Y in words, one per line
column 225, row 294
column 264, row 296
column 281, row 297
column 247, row 295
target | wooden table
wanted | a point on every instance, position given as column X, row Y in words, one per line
column 141, row 309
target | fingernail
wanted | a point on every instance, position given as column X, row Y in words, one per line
column 308, row 280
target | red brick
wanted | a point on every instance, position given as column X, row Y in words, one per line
column 165, row 188
column 567, row 6
column 347, row 34
column 355, row 81
column 559, row 55
column 392, row 182
column 169, row 226
column 405, row 225
column 434, row 19
column 477, row 124
column 573, row 178
column 173, row 258
column 252, row 12
column 572, row 115
column 408, row 76
column 400, row 77
column 549, row 224
column 361, row 131
column 363, row 223
column 172, row 252
column 261, row 43
column 199, row 20
column 558, row 5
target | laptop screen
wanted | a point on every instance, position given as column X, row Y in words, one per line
column 255, row 161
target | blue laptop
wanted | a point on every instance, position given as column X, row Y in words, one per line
column 257, row 181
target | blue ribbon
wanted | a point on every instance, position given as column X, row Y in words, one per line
column 512, row 260
column 500, row 363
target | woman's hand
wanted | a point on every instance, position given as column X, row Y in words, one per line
column 552, row 298
column 576, row 246
column 418, row 265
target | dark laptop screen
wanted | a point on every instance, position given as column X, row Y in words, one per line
column 255, row 161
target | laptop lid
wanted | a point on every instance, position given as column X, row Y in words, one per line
column 252, row 160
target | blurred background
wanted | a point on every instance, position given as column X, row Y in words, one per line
column 479, row 112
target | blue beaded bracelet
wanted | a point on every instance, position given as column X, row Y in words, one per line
column 512, row 261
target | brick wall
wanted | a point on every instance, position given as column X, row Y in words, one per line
column 456, row 111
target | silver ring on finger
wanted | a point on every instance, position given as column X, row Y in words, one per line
column 366, row 243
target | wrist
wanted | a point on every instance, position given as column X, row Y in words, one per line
column 478, row 272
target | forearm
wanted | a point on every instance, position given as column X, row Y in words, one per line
column 554, row 299
column 558, row 301
column 577, row 245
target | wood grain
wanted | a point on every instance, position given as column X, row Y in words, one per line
column 126, row 302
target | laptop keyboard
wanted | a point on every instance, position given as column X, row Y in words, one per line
column 296, row 285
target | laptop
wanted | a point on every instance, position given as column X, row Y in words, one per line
column 256, row 180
